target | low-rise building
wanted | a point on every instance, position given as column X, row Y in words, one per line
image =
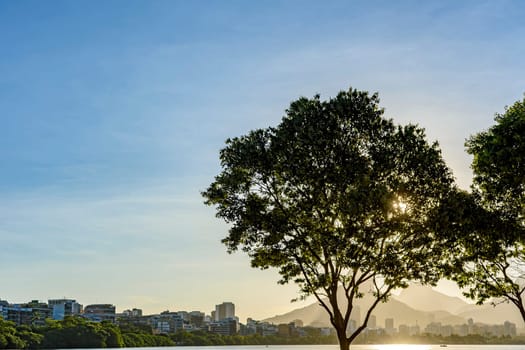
column 131, row 313
column 227, row 326
column 100, row 312
column 168, row 322
column 197, row 319
column 403, row 329
column 64, row 307
column 33, row 313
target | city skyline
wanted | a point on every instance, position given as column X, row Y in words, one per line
column 223, row 320
column 113, row 115
column 67, row 314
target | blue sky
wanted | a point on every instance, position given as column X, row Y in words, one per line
column 112, row 115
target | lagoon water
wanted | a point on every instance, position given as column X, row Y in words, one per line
column 353, row 347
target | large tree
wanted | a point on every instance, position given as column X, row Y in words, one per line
column 338, row 199
column 496, row 269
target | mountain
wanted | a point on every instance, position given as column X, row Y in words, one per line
column 402, row 313
column 493, row 314
column 415, row 305
column 426, row 299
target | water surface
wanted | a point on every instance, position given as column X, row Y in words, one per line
column 353, row 347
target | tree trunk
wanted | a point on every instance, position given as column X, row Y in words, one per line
column 340, row 328
column 344, row 344
column 517, row 300
column 522, row 310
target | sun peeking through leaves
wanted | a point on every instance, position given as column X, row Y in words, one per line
column 400, row 206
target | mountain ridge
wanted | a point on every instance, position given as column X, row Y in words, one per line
column 417, row 304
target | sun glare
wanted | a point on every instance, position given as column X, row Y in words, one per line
column 403, row 347
column 400, row 205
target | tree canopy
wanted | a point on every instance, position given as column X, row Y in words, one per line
column 338, row 198
column 9, row 339
column 493, row 256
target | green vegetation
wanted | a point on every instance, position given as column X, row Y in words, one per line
column 77, row 332
column 499, row 182
column 339, row 199
column 488, row 225
column 203, row 338
column 9, row 336
column 313, row 337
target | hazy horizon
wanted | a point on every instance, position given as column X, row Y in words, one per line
column 114, row 112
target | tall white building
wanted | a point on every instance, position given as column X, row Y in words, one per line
column 224, row 311
column 372, row 322
column 389, row 326
column 356, row 315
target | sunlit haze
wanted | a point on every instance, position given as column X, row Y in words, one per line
column 113, row 114
column 403, row 347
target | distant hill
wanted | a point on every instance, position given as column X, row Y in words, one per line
column 401, row 312
column 415, row 305
column 424, row 298
column 490, row 314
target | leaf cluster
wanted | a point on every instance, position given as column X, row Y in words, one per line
column 499, row 161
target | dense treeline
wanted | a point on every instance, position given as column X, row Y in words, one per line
column 76, row 332
column 204, row 338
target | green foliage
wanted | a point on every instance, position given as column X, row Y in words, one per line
column 140, row 335
column 22, row 337
column 490, row 222
column 114, row 337
column 127, row 326
column 498, row 161
column 9, row 339
column 199, row 338
column 335, row 197
column 77, row 332
column 132, row 340
column 25, row 337
column 31, row 339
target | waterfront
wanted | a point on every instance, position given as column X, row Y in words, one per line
column 353, row 347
